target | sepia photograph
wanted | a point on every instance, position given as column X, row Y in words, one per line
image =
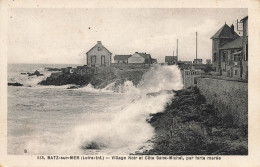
column 128, row 81
column 129, row 84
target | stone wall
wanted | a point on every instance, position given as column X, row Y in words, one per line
column 230, row 98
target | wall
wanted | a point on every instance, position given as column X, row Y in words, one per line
column 188, row 77
column 245, row 50
column 130, row 65
column 136, row 58
column 98, row 53
column 228, row 96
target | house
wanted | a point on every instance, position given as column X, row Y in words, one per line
column 197, row 61
column 98, row 56
column 121, row 58
column 223, row 36
column 231, row 57
column 154, row 61
column 170, row 60
column 140, row 58
column 245, row 48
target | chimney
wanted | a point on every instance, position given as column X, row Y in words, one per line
column 232, row 28
column 99, row 42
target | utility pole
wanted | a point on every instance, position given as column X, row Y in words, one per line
column 196, row 47
column 177, row 51
column 173, row 57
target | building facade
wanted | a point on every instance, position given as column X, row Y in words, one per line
column 121, row 58
column 98, row 56
column 223, row 36
column 170, row 60
column 231, row 58
column 139, row 58
column 245, row 48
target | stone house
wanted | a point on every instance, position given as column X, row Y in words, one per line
column 98, row 56
column 231, row 58
column 170, row 60
column 223, row 36
column 245, row 48
column 140, row 58
column 121, row 58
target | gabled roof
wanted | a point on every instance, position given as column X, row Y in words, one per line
column 237, row 43
column 245, row 18
column 225, row 32
column 144, row 55
column 122, row 57
column 170, row 58
column 99, row 44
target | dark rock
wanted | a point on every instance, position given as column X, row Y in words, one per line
column 15, row 84
column 37, row 73
column 53, row 69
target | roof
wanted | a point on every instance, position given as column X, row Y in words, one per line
column 170, row 58
column 99, row 44
column 144, row 55
column 245, row 18
column 237, row 43
column 225, row 32
column 122, row 57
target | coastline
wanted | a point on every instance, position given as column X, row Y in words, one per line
column 189, row 126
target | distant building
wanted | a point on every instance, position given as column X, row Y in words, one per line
column 121, row 58
column 223, row 36
column 140, row 58
column 154, row 61
column 208, row 61
column 197, row 61
column 245, row 48
column 184, row 62
column 98, row 56
column 170, row 60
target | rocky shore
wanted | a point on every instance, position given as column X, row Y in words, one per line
column 189, row 126
column 99, row 80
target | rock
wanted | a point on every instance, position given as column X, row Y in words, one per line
column 37, row 73
column 73, row 87
column 15, row 84
column 52, row 69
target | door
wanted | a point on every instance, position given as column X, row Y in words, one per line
column 93, row 60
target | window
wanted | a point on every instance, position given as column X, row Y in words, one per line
column 102, row 59
column 235, row 72
column 214, row 57
column 99, row 49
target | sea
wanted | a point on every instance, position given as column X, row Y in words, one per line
column 44, row 120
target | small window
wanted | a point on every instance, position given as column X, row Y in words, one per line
column 99, row 48
column 235, row 72
column 215, row 57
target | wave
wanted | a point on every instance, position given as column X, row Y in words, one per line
column 129, row 129
column 125, row 129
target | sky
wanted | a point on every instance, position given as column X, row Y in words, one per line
column 63, row 36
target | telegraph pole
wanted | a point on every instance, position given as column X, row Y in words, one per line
column 196, row 47
column 177, row 51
